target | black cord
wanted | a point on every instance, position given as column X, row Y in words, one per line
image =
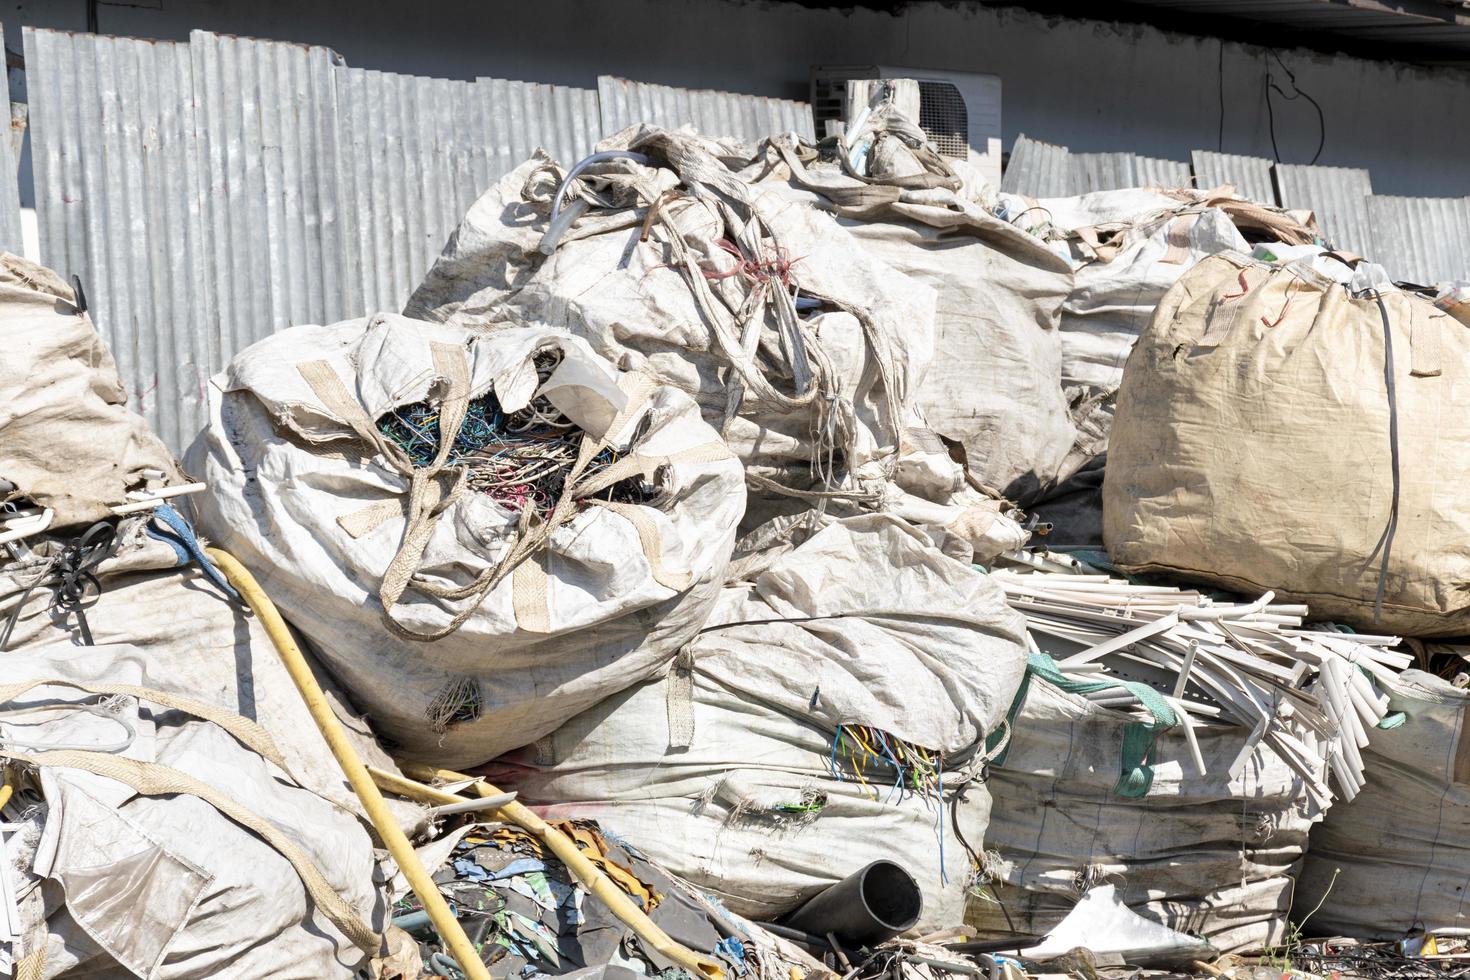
column 1297, row 93
column 1220, row 139
column 1270, row 115
column 71, row 577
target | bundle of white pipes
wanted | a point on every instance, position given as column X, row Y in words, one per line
column 1310, row 693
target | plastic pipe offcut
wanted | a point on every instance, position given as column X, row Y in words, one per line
column 863, row 909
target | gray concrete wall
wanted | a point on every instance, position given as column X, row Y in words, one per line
column 1092, row 85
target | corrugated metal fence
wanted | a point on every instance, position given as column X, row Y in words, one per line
column 746, row 117
column 1423, row 240
column 10, row 233
column 211, row 192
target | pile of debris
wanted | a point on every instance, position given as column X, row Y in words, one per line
column 657, row 594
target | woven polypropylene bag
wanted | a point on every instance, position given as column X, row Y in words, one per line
column 1259, row 445
column 398, row 574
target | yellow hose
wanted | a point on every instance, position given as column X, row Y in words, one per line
column 352, row 765
column 564, row 848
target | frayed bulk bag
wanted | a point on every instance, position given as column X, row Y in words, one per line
column 802, row 349
column 61, row 400
column 822, row 719
column 1277, row 430
column 994, row 383
column 468, row 609
column 1398, row 856
column 1085, row 794
column 171, row 837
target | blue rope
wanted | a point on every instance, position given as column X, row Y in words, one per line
column 169, row 526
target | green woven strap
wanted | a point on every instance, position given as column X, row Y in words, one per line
column 1136, row 775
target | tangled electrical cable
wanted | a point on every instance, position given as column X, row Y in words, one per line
column 519, row 459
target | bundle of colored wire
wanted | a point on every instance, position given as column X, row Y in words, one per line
column 520, row 459
column 914, row 767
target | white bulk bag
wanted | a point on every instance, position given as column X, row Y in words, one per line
column 726, row 770
column 698, row 291
column 1398, row 856
column 153, row 595
column 172, row 837
column 462, row 627
column 994, row 383
column 1211, row 855
column 1127, row 248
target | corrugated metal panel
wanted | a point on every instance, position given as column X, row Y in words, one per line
column 10, row 234
column 522, row 117
column 112, row 136
column 750, row 118
column 1115, row 171
column 416, row 152
column 1422, row 239
column 406, row 177
column 1157, row 172
column 1338, row 196
column 1038, row 169
column 1250, row 175
column 269, row 185
column 1101, row 172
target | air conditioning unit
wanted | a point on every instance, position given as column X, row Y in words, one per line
column 959, row 110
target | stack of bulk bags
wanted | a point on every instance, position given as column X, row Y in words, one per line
column 1398, row 856
column 1086, row 794
column 482, row 534
column 993, row 387
column 801, row 349
column 178, row 813
column 1127, row 247
column 805, row 350
column 78, row 572
column 156, row 835
column 1278, row 430
column 832, row 712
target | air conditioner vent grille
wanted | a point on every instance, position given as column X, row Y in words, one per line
column 943, row 117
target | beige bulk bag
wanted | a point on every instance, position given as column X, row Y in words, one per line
column 1278, row 431
column 61, row 400
column 462, row 624
column 1398, row 856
